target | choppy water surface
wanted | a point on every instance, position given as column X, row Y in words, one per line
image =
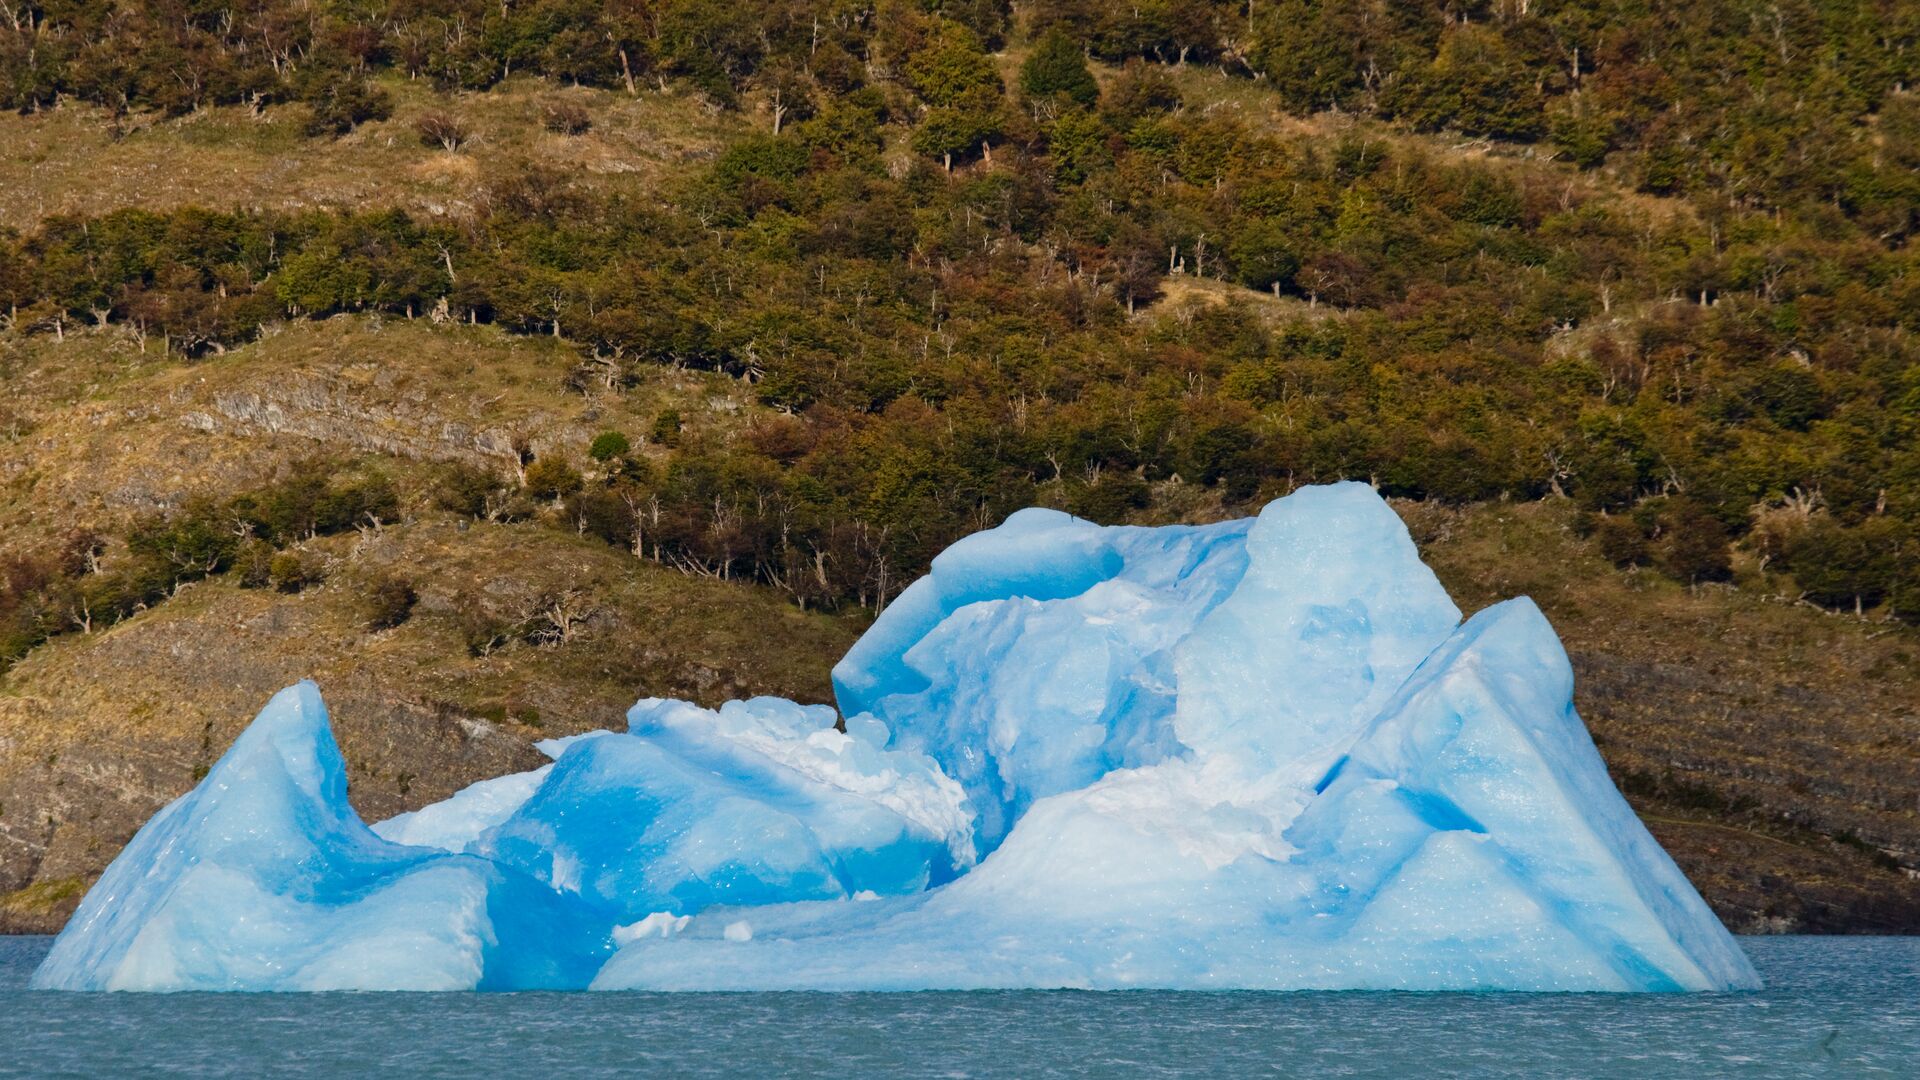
column 1832, row 1007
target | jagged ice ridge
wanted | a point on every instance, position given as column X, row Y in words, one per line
column 1259, row 754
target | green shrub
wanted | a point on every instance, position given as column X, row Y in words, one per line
column 291, row 571
column 959, row 131
column 1140, row 91
column 1693, row 545
column 316, row 500
column 1843, row 566
column 198, row 540
column 608, row 445
column 1111, row 499
column 1264, row 256
column 666, row 428
column 341, row 103
column 357, row 499
column 254, row 564
column 952, row 68
column 468, row 490
column 604, row 514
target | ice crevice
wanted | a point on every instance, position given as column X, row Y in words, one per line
column 1264, row 753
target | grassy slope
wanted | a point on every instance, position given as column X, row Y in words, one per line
column 97, row 431
column 76, row 159
column 1749, row 732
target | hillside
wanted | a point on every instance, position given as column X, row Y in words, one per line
column 1751, row 732
column 497, row 381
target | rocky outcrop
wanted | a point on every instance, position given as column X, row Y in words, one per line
column 328, row 408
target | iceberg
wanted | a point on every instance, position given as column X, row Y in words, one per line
column 263, row 878
column 1257, row 754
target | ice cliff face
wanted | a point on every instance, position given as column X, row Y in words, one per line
column 1258, row 754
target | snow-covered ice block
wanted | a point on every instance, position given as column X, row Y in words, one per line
column 763, row 801
column 263, row 878
column 1142, row 879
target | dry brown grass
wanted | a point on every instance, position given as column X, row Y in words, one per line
column 1186, row 293
column 78, row 159
column 97, row 431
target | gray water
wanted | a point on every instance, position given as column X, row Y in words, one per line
column 1832, row 1007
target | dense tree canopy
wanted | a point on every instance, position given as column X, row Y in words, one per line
column 1764, row 101
column 1724, row 353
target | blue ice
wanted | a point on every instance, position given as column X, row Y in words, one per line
column 264, row 878
column 1263, row 753
column 760, row 802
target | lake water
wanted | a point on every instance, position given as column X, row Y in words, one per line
column 1832, row 1007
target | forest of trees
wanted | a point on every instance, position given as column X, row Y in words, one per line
column 1763, row 103
column 1722, row 351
